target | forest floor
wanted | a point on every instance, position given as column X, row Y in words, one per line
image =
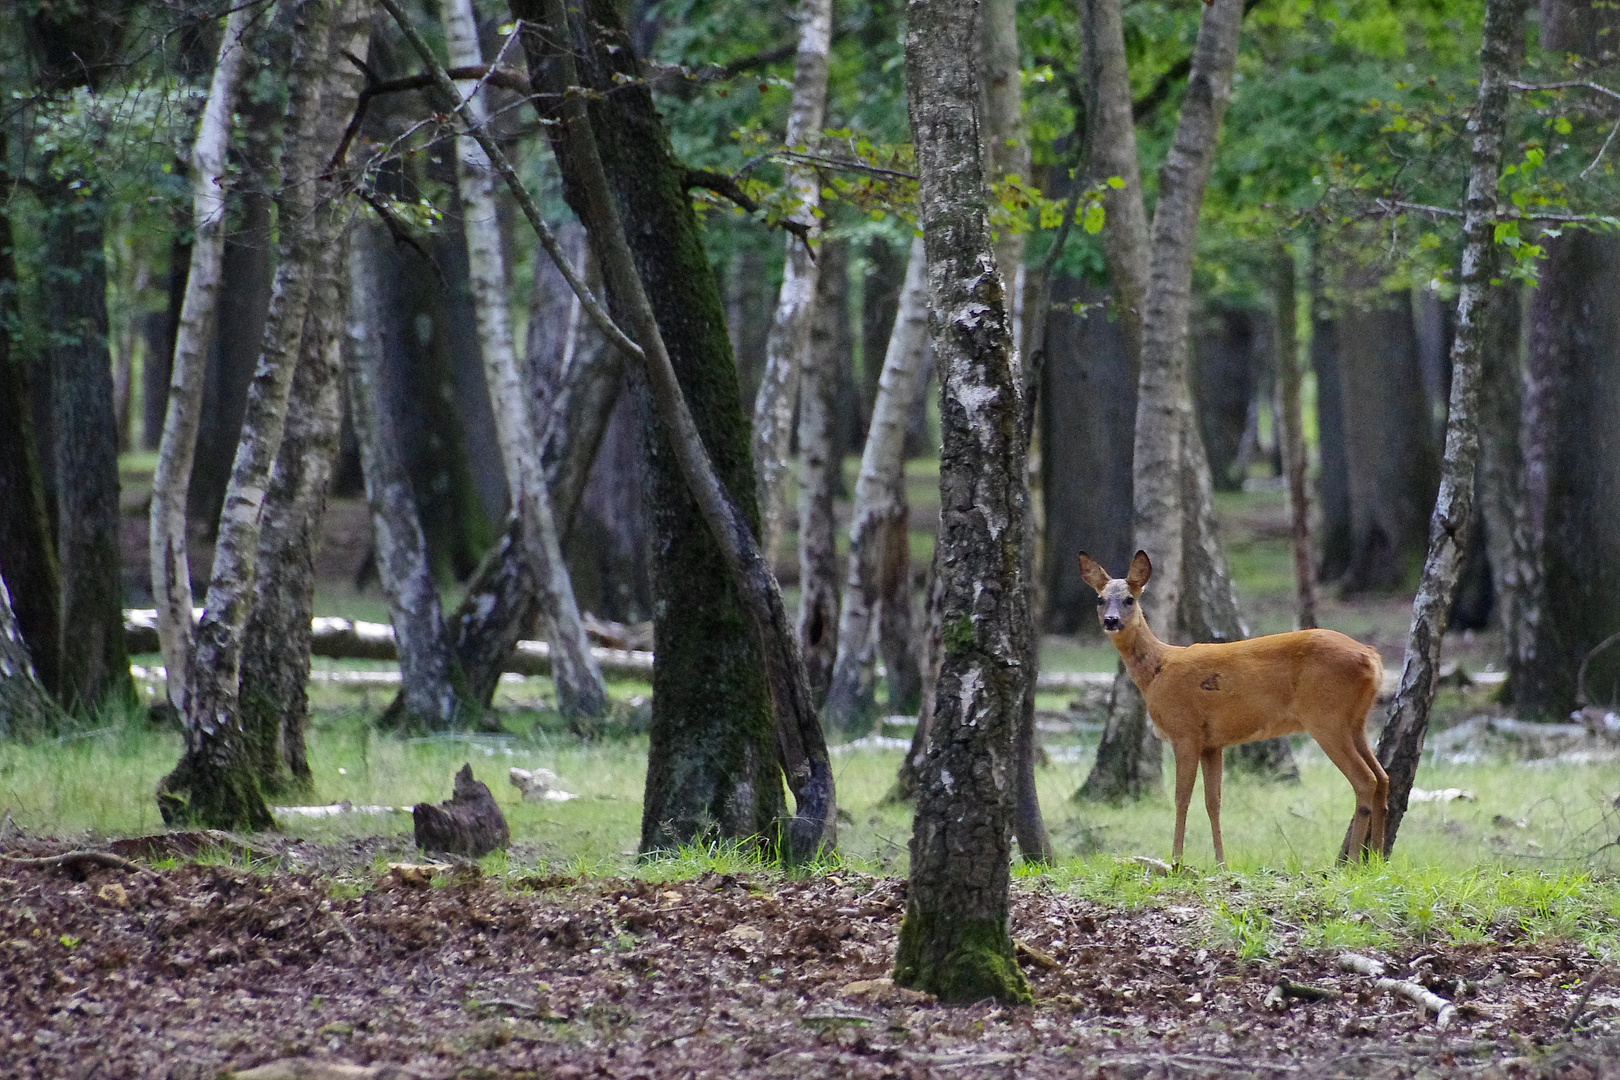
column 189, row 969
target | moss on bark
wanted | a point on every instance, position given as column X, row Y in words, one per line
column 959, row 961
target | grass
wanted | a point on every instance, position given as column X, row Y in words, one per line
column 1529, row 854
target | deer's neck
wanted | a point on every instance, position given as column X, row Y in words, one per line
column 1144, row 654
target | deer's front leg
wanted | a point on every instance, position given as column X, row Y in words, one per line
column 1186, row 771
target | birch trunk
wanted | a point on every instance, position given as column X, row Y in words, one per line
column 431, row 681
column 25, row 708
column 878, row 550
column 818, row 474
column 214, row 783
column 171, row 562
column 1293, row 437
column 580, row 689
column 655, row 191
column 790, row 330
column 277, row 640
column 1401, row 745
column 954, row 940
column 1152, row 272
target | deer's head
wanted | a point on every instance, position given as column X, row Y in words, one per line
column 1118, row 599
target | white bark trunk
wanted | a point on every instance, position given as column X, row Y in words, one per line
column 428, row 693
column 580, row 689
column 171, row 563
column 790, row 331
column 880, row 499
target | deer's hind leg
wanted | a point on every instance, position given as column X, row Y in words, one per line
column 1187, row 756
column 1345, row 753
column 1212, row 797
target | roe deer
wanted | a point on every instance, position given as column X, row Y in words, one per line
column 1203, row 698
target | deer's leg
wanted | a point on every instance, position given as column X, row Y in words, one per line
column 1186, row 772
column 1380, row 799
column 1343, row 753
column 1212, row 797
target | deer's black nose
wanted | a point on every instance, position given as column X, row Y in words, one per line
column 1111, row 623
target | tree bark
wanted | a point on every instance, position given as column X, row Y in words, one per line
column 712, row 773
column 433, row 694
column 277, row 639
column 171, row 480
column 1401, row 745
column 580, row 689
column 820, row 461
column 879, row 573
column 1389, row 449
column 1293, row 438
column 1333, row 474
column 1006, row 144
column 1223, row 385
column 795, row 304
column 215, row 783
column 954, row 940
column 26, row 709
column 1152, row 273
column 27, row 546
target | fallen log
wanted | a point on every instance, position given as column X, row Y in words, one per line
column 1445, row 1012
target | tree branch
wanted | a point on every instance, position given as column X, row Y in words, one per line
column 1144, row 106
column 727, row 188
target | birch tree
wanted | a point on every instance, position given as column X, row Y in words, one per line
column 790, row 330
column 214, row 783
column 879, row 574
column 580, row 689
column 432, row 684
column 1292, row 433
column 1401, row 745
column 819, row 463
column 954, row 940
column 171, row 562
column 25, row 708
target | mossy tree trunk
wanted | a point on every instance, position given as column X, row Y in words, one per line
column 713, row 766
column 954, row 941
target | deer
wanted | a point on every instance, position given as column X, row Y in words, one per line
column 1204, row 698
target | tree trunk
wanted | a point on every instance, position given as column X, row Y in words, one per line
column 162, row 330
column 1292, row 432
column 954, row 941
column 1005, row 142
column 215, row 783
column 277, row 640
column 879, row 556
column 94, row 664
column 785, row 350
column 1153, row 275
column 932, row 647
column 1333, row 473
column 433, row 694
column 1504, row 488
column 26, row 709
column 1087, row 412
column 27, row 546
column 818, row 470
column 1223, row 381
column 1389, row 451
column 580, row 689
column 880, row 302
column 1401, row 745
column 711, row 769
column 171, row 480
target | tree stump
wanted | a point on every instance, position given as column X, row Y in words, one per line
column 469, row 824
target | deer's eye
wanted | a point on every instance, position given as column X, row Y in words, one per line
column 1101, row 601
column 1129, row 601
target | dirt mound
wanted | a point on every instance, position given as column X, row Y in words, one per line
column 183, row 973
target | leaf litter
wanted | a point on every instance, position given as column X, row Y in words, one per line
column 418, row 970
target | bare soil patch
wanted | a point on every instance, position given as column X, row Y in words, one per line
column 188, row 972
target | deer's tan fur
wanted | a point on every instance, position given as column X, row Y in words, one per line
column 1203, row 698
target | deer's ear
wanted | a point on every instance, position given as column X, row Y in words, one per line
column 1141, row 569
column 1092, row 573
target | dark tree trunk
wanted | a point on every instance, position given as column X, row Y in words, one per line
column 1333, row 475
column 712, row 767
column 94, row 663
column 26, row 709
column 27, row 543
column 1291, row 435
column 880, row 301
column 1389, row 449
column 608, row 546
column 1224, row 387
column 161, row 328
column 748, row 317
column 954, row 941
column 1575, row 492
column 1088, row 414
column 244, row 300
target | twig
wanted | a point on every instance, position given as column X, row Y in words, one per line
column 1580, row 1006
column 841, row 163
column 1601, row 150
column 1444, row 1010
column 1581, row 697
column 728, row 188
column 76, row 859
column 1573, row 85
column 1399, row 206
column 402, row 235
